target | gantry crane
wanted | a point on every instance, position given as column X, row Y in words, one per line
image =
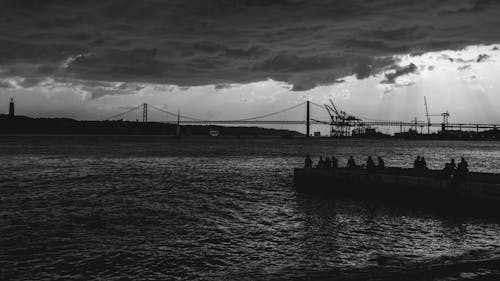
column 341, row 122
column 445, row 115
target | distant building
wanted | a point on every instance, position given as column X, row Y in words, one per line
column 368, row 133
column 11, row 108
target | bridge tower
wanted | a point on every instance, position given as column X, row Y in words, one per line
column 446, row 116
column 11, row 108
column 144, row 112
column 308, row 119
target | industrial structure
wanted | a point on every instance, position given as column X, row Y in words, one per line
column 341, row 123
column 11, row 108
column 445, row 115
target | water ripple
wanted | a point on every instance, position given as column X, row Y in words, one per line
column 110, row 208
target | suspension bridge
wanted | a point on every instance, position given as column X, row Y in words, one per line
column 340, row 122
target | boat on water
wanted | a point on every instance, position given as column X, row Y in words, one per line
column 436, row 187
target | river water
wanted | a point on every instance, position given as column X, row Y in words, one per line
column 155, row 208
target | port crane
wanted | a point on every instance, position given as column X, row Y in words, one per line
column 341, row 122
column 445, row 115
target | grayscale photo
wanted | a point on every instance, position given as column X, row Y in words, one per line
column 250, row 140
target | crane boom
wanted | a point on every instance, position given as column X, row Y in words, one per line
column 341, row 122
column 445, row 116
column 427, row 111
column 428, row 116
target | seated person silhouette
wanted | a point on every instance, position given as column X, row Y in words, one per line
column 423, row 164
column 335, row 163
column 416, row 163
column 308, row 163
column 381, row 163
column 328, row 163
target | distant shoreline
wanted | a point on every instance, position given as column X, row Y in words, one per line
column 156, row 135
column 28, row 126
column 23, row 125
column 244, row 137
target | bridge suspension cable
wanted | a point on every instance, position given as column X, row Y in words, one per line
column 175, row 115
column 273, row 113
column 123, row 113
column 197, row 119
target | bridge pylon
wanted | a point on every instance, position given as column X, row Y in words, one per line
column 308, row 119
column 144, row 112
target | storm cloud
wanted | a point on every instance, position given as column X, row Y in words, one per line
column 390, row 77
column 220, row 42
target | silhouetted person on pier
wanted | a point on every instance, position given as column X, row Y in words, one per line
column 381, row 163
column 449, row 168
column 370, row 164
column 350, row 163
column 335, row 163
column 423, row 164
column 416, row 163
column 320, row 163
column 328, row 163
column 462, row 169
column 463, row 165
column 308, row 163
column 452, row 164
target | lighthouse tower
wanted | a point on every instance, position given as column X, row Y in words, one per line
column 11, row 108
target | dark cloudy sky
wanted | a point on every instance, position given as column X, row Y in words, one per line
column 87, row 59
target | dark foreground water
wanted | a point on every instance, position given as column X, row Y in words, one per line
column 153, row 208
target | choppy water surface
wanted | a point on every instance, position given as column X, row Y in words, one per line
column 153, row 208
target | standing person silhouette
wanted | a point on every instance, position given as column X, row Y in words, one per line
column 321, row 163
column 350, row 163
column 462, row 169
column 328, row 163
column 369, row 163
